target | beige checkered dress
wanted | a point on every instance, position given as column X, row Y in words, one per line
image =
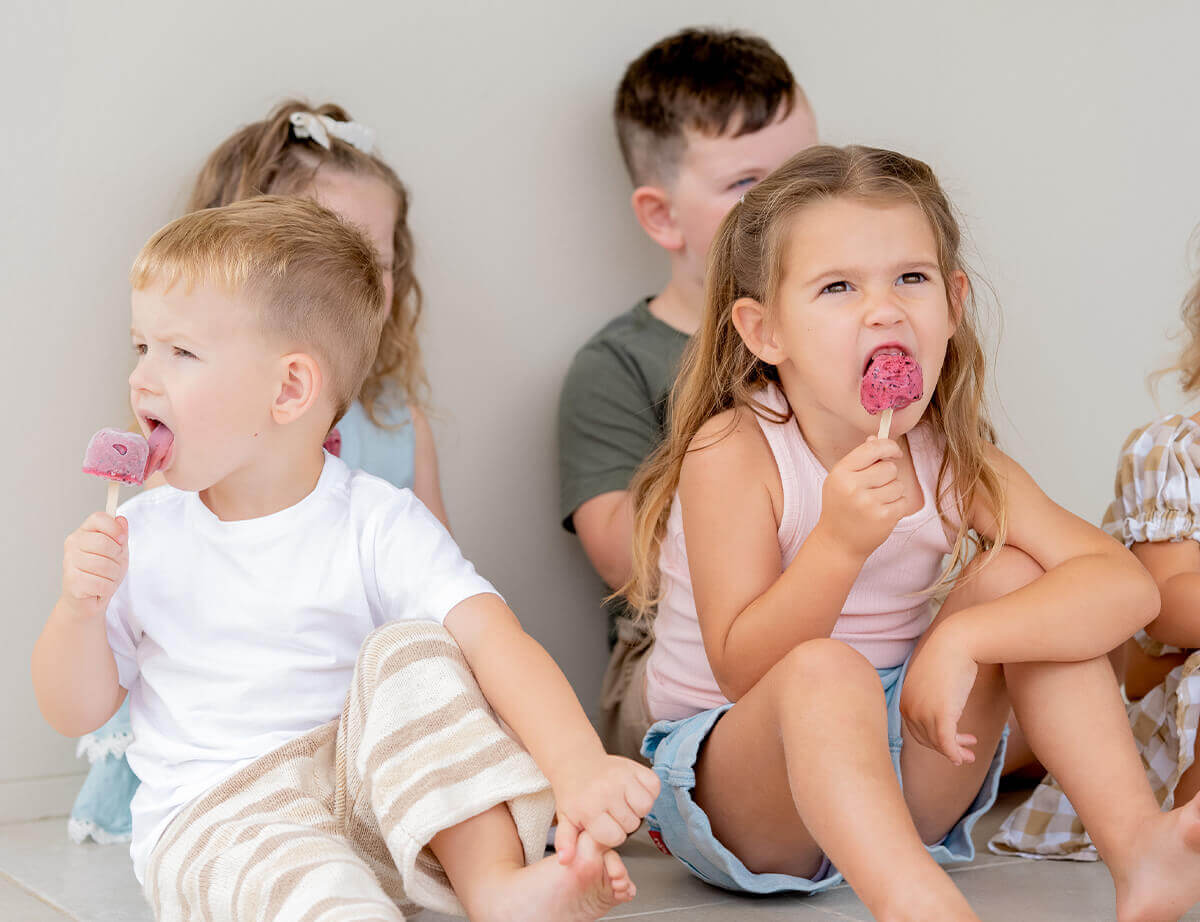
column 1158, row 499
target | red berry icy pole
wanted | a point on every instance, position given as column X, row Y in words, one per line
column 333, row 442
column 120, row 457
column 892, row 382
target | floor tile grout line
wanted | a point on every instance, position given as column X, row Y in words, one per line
column 40, row 819
column 655, row 912
column 41, row 898
column 837, row 915
column 998, row 863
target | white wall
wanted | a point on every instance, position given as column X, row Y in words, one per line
column 1067, row 132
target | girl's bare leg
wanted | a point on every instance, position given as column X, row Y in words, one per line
column 1075, row 720
column 802, row 759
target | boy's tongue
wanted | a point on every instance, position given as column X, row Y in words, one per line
column 160, row 443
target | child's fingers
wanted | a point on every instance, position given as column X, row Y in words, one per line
column 648, row 779
column 606, row 831
column 917, row 731
column 878, row 474
column 869, row 452
column 103, row 567
column 887, row 494
column 946, row 730
column 564, row 840
column 625, row 816
column 639, row 799
column 106, row 525
column 97, row 542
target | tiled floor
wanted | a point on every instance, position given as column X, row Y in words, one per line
column 44, row 878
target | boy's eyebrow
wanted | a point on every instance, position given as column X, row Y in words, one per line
column 165, row 336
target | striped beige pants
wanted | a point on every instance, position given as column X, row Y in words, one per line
column 335, row 825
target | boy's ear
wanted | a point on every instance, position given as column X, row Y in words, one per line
column 652, row 208
column 300, row 385
column 753, row 324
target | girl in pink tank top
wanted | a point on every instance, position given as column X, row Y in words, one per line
column 799, row 673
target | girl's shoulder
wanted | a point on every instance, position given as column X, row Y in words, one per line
column 733, row 434
column 728, row 452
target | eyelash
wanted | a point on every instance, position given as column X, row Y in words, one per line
column 141, row 349
column 921, row 276
column 742, row 183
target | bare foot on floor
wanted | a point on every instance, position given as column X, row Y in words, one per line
column 547, row 891
column 1162, row 881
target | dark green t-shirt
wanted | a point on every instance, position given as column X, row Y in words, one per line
column 613, row 409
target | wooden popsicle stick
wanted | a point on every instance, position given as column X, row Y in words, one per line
column 885, row 423
column 114, row 488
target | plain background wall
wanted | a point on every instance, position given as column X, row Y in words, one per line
column 1067, row 133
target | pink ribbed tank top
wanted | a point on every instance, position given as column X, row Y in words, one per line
column 885, row 612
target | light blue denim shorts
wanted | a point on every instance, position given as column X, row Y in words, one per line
column 679, row 827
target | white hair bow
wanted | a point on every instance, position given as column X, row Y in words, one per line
column 320, row 127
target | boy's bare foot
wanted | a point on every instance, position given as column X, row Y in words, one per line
column 1162, row 881
column 548, row 891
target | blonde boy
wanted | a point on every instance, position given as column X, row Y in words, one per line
column 311, row 663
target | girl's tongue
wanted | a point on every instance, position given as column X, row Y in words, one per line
column 160, row 442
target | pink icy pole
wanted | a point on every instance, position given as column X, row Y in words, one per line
column 892, row 382
column 333, row 442
column 117, row 455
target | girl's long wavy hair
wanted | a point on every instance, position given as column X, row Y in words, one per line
column 267, row 157
column 719, row 373
column 1188, row 364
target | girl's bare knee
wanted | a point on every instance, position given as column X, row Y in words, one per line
column 1009, row 570
column 823, row 665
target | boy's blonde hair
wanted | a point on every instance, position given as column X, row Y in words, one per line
column 314, row 279
column 719, row 372
column 267, row 157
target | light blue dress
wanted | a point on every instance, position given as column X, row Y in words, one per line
column 101, row 810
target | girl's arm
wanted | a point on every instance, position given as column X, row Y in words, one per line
column 606, row 795
column 1092, row 597
column 1175, row 566
column 426, row 483
column 751, row 614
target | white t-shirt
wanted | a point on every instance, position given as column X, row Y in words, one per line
column 236, row 637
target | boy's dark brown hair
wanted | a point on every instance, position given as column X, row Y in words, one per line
column 703, row 80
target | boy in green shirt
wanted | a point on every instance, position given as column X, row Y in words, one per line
column 701, row 116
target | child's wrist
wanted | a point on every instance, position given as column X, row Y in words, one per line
column 960, row 634
column 572, row 762
column 839, row 553
column 70, row 611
